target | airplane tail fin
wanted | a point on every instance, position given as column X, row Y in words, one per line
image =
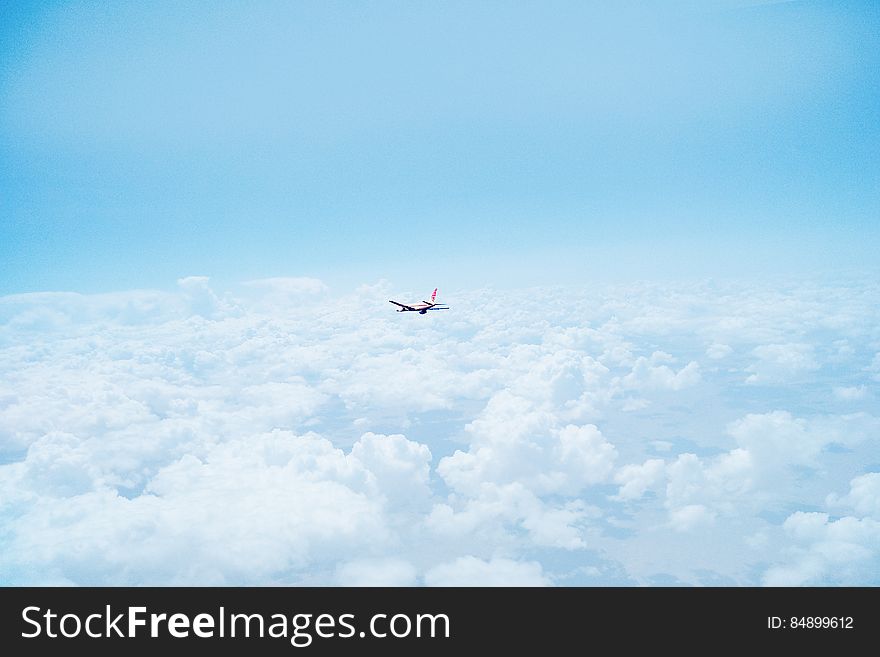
column 433, row 301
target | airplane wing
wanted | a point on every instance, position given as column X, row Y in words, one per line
column 402, row 305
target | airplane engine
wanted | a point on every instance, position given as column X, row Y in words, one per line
column 423, row 312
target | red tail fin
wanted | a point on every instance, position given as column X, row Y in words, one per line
column 434, row 295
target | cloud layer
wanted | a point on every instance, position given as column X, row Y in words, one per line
column 278, row 433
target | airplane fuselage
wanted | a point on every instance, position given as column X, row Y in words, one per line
column 420, row 308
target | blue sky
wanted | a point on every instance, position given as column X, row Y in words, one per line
column 655, row 224
column 434, row 143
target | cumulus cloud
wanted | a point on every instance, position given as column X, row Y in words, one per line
column 200, row 298
column 828, row 552
column 778, row 438
column 489, row 516
column 653, row 373
column 252, row 509
column 635, row 479
column 470, row 571
column 770, row 448
column 780, row 363
column 863, row 497
column 400, row 467
column 376, row 572
column 283, row 432
column 517, row 440
column 687, row 517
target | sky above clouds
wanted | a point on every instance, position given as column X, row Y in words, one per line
column 656, row 224
column 443, row 143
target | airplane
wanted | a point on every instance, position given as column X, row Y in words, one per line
column 420, row 308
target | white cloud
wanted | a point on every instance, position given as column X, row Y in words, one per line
column 515, row 439
column 471, row 571
column 254, row 509
column 496, row 509
column 777, row 438
column 284, row 433
column 828, row 552
column 635, row 480
column 201, row 298
column 688, row 517
column 651, row 373
column 400, row 467
column 780, row 363
column 376, row 572
column 695, row 485
column 769, row 449
column 863, row 497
